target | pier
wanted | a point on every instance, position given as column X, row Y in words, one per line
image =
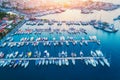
column 53, row 41
column 54, row 58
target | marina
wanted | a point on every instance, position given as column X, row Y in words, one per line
column 59, row 39
column 14, row 59
column 27, row 36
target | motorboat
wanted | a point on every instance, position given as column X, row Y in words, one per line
column 99, row 53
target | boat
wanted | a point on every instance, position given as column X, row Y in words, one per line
column 1, row 62
column 26, row 64
column 73, row 61
column 101, row 62
column 111, row 30
column 67, row 43
column 66, row 62
column 86, row 61
column 93, row 54
column 86, row 42
column 81, row 54
column 43, row 61
column 40, row 62
column 99, row 53
column 11, row 45
column 23, row 63
column 37, row 54
column 74, row 42
column 16, row 63
column 46, row 53
column 20, row 55
column 98, row 42
column 92, row 37
column 36, row 62
column 5, row 63
column 54, row 43
column 50, row 61
column 60, row 62
column 56, row 61
column 7, row 56
column 32, row 38
column 106, row 62
column 81, row 43
column 11, row 55
column 4, row 44
column 92, row 62
column 106, row 27
column 73, row 54
column 11, row 63
column 53, row 61
column 63, row 61
column 20, row 62
column 29, row 54
column 15, row 54
column 1, row 54
column 18, row 45
column 96, row 61
column 46, row 61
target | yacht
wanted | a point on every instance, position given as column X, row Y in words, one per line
column 67, row 43
column 20, row 62
column 86, row 42
column 36, row 62
column 92, row 62
column 50, row 61
column 74, row 42
column 56, row 62
column 63, row 61
column 20, row 55
column 46, row 61
column 98, row 42
column 1, row 54
column 101, row 62
column 23, row 63
column 60, row 62
column 5, row 63
column 106, row 62
column 99, row 53
column 32, row 39
column 43, row 61
column 26, row 64
column 66, row 62
column 73, row 61
column 81, row 54
column 40, row 62
column 1, row 62
column 16, row 63
column 81, row 43
column 93, row 54
column 4, row 44
column 86, row 61
column 29, row 54
column 15, row 54
column 53, row 61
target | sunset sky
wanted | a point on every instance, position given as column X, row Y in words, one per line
column 43, row 4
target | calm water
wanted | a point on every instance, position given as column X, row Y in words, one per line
column 110, row 45
column 77, row 16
